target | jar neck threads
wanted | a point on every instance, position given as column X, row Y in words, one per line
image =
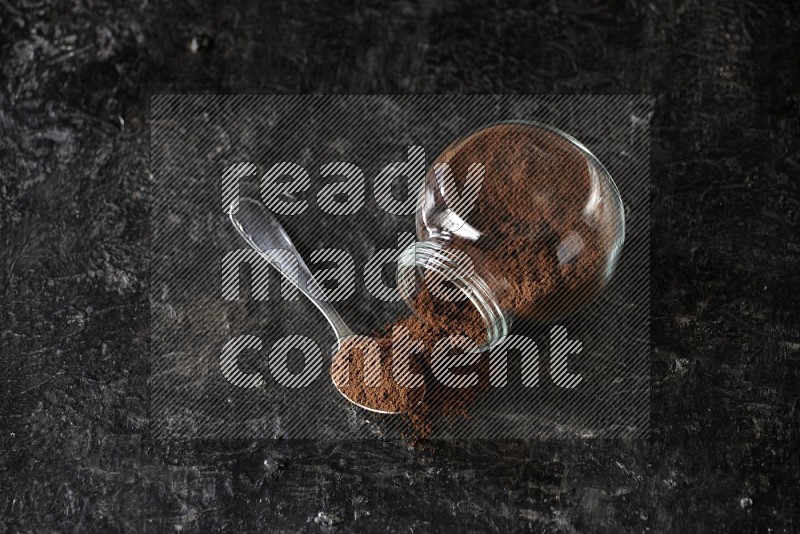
column 435, row 256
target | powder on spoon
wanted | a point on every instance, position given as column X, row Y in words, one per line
column 435, row 320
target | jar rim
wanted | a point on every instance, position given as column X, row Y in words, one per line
column 433, row 255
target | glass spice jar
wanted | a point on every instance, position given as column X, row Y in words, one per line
column 520, row 219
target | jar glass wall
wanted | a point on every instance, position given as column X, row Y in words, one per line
column 520, row 220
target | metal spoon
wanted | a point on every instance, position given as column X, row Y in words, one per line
column 262, row 231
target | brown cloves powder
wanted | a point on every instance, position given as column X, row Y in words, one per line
column 532, row 199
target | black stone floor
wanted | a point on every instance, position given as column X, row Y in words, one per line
column 724, row 451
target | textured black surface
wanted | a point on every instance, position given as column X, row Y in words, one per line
column 76, row 80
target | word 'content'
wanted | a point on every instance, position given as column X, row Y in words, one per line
column 451, row 356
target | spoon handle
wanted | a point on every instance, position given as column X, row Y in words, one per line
column 262, row 231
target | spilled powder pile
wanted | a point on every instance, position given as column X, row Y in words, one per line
column 427, row 403
column 542, row 250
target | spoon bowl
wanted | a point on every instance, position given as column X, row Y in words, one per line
column 262, row 231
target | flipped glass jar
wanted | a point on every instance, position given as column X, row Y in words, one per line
column 520, row 219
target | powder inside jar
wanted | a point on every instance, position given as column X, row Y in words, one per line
column 541, row 205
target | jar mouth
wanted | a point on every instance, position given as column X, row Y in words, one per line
column 435, row 257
